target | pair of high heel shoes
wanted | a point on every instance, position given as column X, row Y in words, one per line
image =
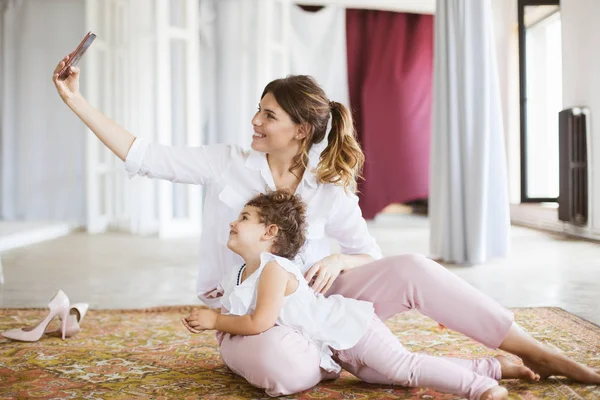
column 70, row 316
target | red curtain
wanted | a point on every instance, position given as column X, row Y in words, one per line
column 390, row 73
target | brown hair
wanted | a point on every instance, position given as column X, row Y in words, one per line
column 306, row 103
column 288, row 212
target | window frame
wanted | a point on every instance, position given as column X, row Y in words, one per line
column 523, row 97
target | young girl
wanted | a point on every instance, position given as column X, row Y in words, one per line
column 269, row 289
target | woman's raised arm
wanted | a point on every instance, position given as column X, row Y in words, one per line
column 195, row 165
column 116, row 138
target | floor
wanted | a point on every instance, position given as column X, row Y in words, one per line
column 120, row 271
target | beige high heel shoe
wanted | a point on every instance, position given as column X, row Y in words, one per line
column 74, row 319
column 59, row 306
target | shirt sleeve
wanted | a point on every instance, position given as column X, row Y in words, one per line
column 349, row 228
column 195, row 165
column 213, row 298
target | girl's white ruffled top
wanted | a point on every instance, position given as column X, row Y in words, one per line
column 333, row 322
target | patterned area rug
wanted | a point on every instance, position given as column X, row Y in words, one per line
column 149, row 354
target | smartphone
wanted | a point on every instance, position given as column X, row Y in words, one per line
column 77, row 54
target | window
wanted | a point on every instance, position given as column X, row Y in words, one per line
column 540, row 64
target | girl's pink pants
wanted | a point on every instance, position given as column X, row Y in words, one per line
column 283, row 362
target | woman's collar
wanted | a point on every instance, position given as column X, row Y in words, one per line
column 257, row 161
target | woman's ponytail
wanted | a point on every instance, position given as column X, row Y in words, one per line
column 342, row 160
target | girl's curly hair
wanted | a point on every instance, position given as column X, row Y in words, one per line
column 288, row 212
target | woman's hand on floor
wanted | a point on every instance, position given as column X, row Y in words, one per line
column 201, row 320
column 324, row 273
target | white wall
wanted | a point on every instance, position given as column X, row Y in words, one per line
column 3, row 6
column 43, row 142
column 581, row 80
column 505, row 20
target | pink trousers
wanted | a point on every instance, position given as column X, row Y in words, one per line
column 283, row 362
column 379, row 358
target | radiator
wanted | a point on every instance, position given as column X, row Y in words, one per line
column 573, row 165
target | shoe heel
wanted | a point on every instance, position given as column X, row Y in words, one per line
column 63, row 323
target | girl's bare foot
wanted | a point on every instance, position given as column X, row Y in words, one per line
column 495, row 393
column 510, row 370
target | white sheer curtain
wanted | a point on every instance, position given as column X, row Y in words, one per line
column 208, row 69
column 42, row 141
column 229, row 57
column 321, row 50
column 230, row 61
column 235, row 66
column 225, row 35
column 229, row 40
column 469, row 208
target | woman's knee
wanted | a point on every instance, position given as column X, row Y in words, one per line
column 406, row 265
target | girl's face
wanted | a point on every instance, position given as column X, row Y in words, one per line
column 274, row 130
column 247, row 231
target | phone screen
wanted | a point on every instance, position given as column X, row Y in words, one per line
column 83, row 46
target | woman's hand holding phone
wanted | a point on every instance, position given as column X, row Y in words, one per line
column 66, row 80
column 69, row 87
column 66, row 74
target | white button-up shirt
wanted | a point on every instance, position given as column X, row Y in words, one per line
column 232, row 176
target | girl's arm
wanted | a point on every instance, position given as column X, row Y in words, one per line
column 271, row 292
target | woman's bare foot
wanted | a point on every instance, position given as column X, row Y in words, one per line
column 495, row 393
column 510, row 370
column 543, row 360
column 555, row 363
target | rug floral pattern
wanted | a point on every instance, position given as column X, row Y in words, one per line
column 149, row 354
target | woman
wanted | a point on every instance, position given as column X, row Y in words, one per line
column 291, row 119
